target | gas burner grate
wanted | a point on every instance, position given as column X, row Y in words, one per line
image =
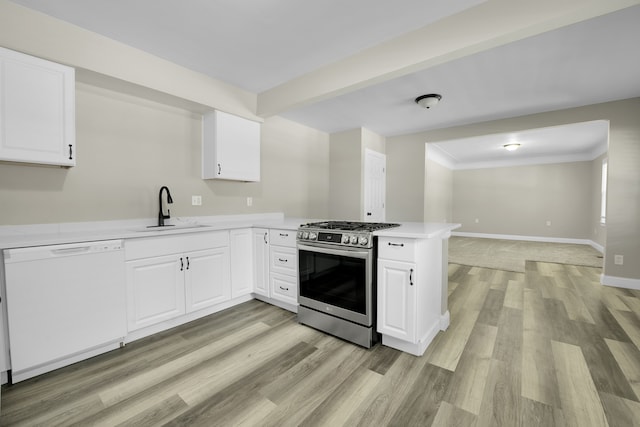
column 350, row 225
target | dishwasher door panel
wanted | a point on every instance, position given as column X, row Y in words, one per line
column 63, row 303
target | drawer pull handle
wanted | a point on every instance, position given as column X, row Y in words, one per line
column 284, row 235
column 396, row 244
column 411, row 277
column 284, row 289
column 282, row 260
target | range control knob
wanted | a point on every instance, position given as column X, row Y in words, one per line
column 354, row 240
column 363, row 241
column 299, row 234
column 305, row 235
column 312, row 236
column 345, row 239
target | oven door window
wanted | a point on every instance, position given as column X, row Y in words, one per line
column 337, row 280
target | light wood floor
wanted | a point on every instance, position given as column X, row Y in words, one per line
column 550, row 347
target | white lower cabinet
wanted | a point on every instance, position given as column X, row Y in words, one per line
column 397, row 299
column 155, row 288
column 206, row 275
column 242, row 276
column 409, row 292
column 260, row 251
column 284, row 288
column 283, row 267
column 163, row 284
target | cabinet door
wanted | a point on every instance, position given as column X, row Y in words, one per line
column 37, row 110
column 261, row 261
column 207, row 278
column 155, row 290
column 241, row 262
column 231, row 147
column 397, row 299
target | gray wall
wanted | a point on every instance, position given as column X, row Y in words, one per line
column 129, row 147
column 405, row 178
column 520, row 200
column 346, row 188
column 598, row 232
column 438, row 192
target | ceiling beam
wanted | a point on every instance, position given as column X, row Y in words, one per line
column 488, row 25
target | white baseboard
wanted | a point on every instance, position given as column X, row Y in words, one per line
column 591, row 243
column 620, row 282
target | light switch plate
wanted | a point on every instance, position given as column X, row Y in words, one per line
column 196, row 200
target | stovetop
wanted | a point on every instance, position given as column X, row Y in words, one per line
column 341, row 233
column 350, row 226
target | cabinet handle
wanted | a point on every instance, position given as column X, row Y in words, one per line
column 284, row 235
column 282, row 260
column 70, row 152
column 368, row 213
column 284, row 289
column 219, row 169
column 187, row 263
column 411, row 277
column 396, row 244
column 265, row 239
column 181, row 265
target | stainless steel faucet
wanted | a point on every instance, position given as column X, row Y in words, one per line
column 161, row 215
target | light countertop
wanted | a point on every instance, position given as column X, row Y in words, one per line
column 54, row 234
column 419, row 230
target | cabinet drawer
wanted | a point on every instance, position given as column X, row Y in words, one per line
column 283, row 238
column 284, row 288
column 284, row 260
column 395, row 248
column 153, row 246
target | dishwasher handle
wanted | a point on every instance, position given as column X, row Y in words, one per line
column 70, row 251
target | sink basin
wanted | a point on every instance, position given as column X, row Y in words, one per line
column 170, row 227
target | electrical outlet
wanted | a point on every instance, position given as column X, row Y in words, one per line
column 249, row 201
column 196, row 200
column 477, row 220
column 618, row 259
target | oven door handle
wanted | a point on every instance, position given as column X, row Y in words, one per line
column 339, row 252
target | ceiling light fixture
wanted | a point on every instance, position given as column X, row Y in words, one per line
column 511, row 147
column 428, row 101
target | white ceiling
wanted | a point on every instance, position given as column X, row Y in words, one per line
column 258, row 45
column 557, row 144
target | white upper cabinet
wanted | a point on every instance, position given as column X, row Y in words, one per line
column 37, row 110
column 230, row 147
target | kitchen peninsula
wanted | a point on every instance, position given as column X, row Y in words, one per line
column 248, row 256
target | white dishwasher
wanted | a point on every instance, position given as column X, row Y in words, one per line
column 64, row 303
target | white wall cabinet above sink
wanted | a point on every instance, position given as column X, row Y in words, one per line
column 37, row 110
column 230, row 147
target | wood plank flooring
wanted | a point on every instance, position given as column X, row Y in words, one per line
column 550, row 347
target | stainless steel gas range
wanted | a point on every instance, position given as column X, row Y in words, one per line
column 336, row 278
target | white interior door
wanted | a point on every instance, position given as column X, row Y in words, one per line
column 375, row 166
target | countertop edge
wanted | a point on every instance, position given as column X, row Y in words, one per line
column 57, row 234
